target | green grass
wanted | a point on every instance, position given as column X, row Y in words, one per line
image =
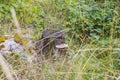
column 83, row 63
column 94, row 58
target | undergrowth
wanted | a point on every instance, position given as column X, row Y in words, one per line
column 93, row 38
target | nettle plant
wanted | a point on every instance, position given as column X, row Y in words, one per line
column 91, row 18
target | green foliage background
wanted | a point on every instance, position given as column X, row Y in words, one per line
column 94, row 18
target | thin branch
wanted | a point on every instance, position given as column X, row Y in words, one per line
column 98, row 49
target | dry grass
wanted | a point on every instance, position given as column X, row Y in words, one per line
column 81, row 64
column 87, row 61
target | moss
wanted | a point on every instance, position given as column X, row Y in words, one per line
column 3, row 38
column 20, row 39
